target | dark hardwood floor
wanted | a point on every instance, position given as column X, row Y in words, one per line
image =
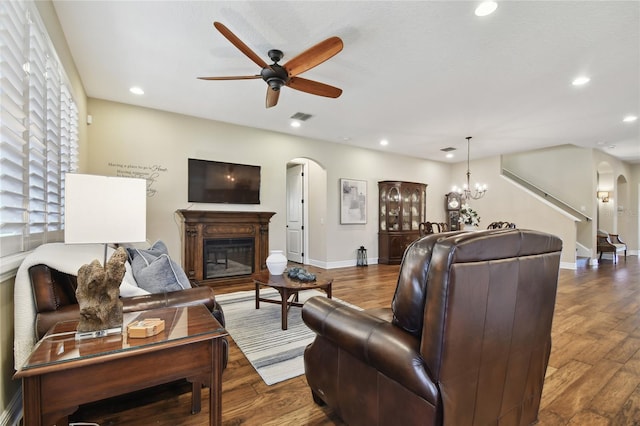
column 593, row 376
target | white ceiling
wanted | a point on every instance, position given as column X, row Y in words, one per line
column 423, row 75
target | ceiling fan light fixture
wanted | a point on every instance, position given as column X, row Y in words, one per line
column 486, row 8
column 275, row 83
column 276, row 75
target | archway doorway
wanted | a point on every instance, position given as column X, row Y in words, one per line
column 306, row 211
column 624, row 221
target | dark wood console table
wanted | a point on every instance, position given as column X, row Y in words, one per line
column 200, row 225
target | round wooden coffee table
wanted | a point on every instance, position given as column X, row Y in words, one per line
column 288, row 289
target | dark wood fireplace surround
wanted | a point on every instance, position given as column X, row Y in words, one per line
column 200, row 225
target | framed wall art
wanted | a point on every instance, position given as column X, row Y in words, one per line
column 353, row 201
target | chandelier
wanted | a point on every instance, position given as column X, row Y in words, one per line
column 466, row 192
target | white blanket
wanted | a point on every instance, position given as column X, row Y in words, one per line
column 67, row 258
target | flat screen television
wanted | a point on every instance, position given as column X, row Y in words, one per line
column 225, row 183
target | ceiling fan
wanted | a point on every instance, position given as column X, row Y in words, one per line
column 277, row 75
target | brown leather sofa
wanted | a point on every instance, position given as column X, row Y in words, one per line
column 465, row 342
column 54, row 293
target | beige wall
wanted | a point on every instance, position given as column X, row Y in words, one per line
column 132, row 141
column 564, row 171
column 571, row 174
column 505, row 201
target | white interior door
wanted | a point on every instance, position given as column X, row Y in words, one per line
column 295, row 217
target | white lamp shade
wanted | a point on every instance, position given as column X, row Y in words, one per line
column 104, row 209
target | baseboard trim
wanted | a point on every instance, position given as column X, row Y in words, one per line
column 347, row 263
column 568, row 265
column 12, row 414
column 338, row 264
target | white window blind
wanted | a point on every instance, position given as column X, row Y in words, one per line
column 38, row 131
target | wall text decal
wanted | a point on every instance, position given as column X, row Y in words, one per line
column 150, row 173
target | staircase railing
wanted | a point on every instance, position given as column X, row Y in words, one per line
column 544, row 194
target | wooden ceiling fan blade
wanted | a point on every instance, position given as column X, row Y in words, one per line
column 272, row 97
column 314, row 87
column 226, row 32
column 314, row 56
column 236, row 77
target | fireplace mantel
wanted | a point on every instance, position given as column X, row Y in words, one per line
column 201, row 225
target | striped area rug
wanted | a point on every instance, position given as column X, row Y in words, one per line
column 276, row 354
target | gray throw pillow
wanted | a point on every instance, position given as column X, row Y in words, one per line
column 155, row 271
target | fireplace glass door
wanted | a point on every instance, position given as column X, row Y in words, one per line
column 228, row 257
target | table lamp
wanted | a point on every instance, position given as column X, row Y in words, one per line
column 104, row 210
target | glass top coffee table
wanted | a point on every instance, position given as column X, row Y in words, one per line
column 63, row 373
column 288, row 289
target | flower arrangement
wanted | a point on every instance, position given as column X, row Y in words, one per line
column 469, row 216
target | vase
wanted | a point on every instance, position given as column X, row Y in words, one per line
column 276, row 262
column 469, row 227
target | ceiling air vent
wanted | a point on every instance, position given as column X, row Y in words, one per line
column 301, row 116
column 449, row 149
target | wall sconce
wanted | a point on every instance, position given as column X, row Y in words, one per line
column 603, row 196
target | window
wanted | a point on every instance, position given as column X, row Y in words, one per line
column 38, row 132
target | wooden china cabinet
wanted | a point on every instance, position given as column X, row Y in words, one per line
column 401, row 207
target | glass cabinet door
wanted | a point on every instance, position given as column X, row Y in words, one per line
column 415, row 209
column 383, row 209
column 406, row 209
column 393, row 216
column 401, row 206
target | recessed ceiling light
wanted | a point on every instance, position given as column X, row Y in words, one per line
column 136, row 90
column 295, row 123
column 486, row 8
column 384, row 142
column 449, row 155
column 580, row 81
column 630, row 118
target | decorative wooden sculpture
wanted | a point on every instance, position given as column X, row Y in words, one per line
column 98, row 293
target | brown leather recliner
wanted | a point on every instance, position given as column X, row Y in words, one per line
column 465, row 342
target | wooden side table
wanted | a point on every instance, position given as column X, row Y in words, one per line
column 63, row 373
column 288, row 289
